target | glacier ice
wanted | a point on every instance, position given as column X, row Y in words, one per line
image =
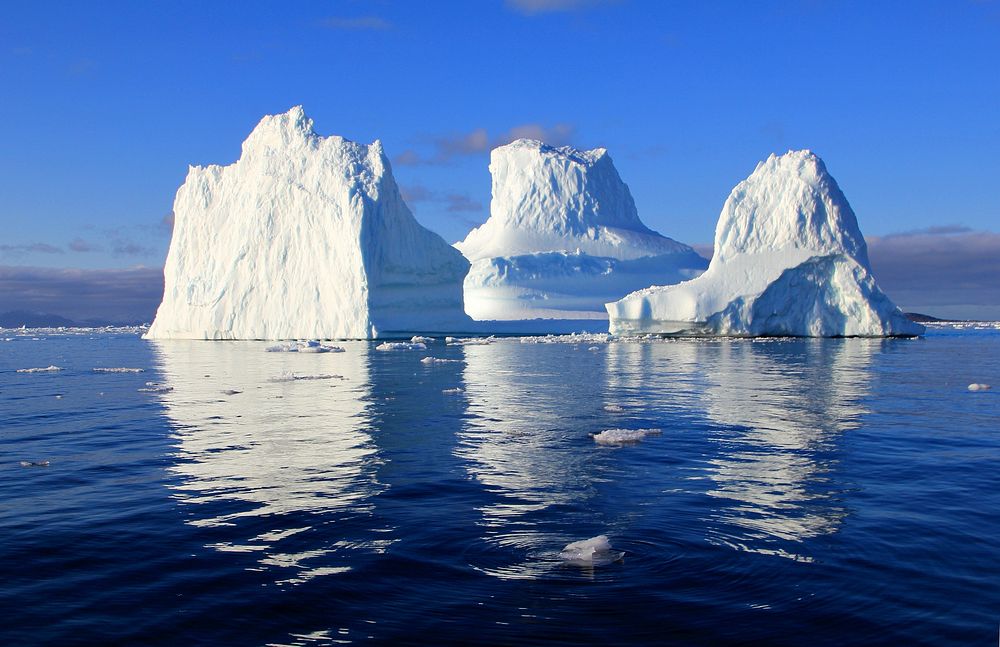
column 303, row 237
column 595, row 551
column 789, row 260
column 621, row 437
column 979, row 387
column 563, row 237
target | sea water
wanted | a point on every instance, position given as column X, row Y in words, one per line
column 782, row 491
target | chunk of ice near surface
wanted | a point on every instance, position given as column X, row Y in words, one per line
column 454, row 391
column 47, row 369
column 979, row 387
column 400, row 345
column 623, row 436
column 34, row 463
column 313, row 346
column 438, row 360
column 119, row 369
column 417, row 339
column 595, row 551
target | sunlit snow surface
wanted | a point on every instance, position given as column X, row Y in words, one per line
column 337, row 496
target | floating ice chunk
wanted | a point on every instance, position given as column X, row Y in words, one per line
column 454, row 391
column 595, row 551
column 417, row 339
column 438, row 360
column 155, row 387
column 594, row 348
column 34, row 463
column 614, row 408
column 303, row 347
column 292, row 377
column 231, row 392
column 979, row 387
column 469, row 341
column 47, row 369
column 400, row 345
column 623, row 436
column 119, row 369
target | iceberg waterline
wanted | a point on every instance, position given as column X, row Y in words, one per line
column 308, row 237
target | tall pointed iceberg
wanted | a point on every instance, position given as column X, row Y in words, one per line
column 563, row 237
column 303, row 236
column 789, row 260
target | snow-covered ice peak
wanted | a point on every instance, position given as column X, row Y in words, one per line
column 304, row 236
column 789, row 202
column 549, row 199
column 789, row 260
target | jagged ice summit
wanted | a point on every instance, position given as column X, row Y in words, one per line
column 308, row 237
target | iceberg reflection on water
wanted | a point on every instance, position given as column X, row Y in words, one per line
column 272, row 456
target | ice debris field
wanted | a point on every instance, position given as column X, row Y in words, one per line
column 321, row 222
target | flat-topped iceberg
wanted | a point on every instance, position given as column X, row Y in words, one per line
column 303, row 237
column 563, row 237
column 789, row 260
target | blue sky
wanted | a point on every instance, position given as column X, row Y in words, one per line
column 104, row 105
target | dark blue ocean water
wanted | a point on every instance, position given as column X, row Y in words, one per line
column 802, row 492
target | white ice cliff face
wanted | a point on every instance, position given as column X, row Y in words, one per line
column 563, row 238
column 789, row 260
column 303, row 237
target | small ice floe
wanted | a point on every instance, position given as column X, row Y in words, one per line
column 417, row 339
column 979, row 387
column 293, row 377
column 401, row 345
column 312, row 346
column 46, row 369
column 438, row 360
column 155, row 387
column 454, row 391
column 595, row 551
column 469, row 341
column 119, row 369
column 594, row 348
column 34, row 463
column 614, row 408
column 619, row 437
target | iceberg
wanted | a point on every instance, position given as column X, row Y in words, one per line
column 303, row 237
column 789, row 260
column 563, row 238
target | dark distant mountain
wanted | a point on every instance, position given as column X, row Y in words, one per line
column 922, row 318
column 18, row 318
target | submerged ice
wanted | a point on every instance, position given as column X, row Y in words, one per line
column 303, row 237
column 563, row 237
column 789, row 260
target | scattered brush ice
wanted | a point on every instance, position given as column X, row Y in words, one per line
column 303, row 347
column 979, row 387
column 47, row 369
column 293, row 377
column 572, row 338
column 595, row 551
column 401, row 345
column 438, row 360
column 469, row 341
column 417, row 339
column 119, row 369
column 617, row 437
column 453, row 391
column 156, row 387
column 34, row 463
